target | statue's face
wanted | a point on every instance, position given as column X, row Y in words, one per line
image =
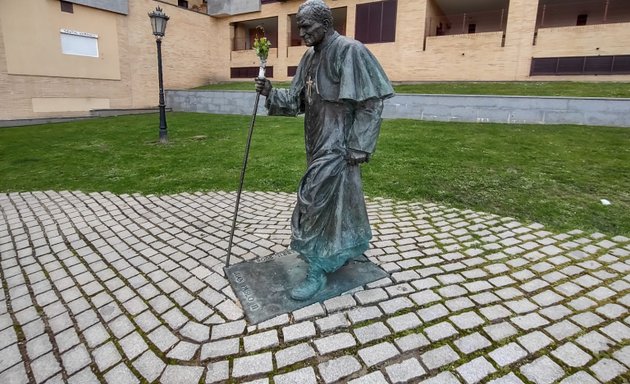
column 311, row 31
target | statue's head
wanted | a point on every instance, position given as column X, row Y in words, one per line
column 314, row 20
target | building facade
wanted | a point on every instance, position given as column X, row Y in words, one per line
column 63, row 58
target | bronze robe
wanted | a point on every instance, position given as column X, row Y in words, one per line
column 340, row 87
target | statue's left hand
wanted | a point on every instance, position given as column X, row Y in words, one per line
column 357, row 157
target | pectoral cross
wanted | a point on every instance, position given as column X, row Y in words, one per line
column 309, row 89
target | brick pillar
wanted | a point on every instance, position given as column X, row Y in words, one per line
column 519, row 35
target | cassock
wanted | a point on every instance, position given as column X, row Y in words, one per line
column 340, row 87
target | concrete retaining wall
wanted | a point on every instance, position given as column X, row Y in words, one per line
column 481, row 109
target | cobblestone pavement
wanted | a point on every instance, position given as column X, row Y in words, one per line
column 129, row 288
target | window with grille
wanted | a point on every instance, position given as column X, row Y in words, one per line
column 376, row 22
column 581, row 65
column 249, row 72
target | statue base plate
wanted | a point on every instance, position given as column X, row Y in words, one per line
column 263, row 285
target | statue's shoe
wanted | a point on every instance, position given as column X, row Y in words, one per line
column 314, row 282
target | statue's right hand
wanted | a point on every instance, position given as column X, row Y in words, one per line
column 263, row 86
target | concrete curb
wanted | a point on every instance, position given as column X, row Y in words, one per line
column 464, row 108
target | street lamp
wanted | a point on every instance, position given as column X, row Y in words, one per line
column 158, row 23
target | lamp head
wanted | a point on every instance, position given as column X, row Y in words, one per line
column 158, row 22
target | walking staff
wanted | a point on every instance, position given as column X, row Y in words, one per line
column 261, row 46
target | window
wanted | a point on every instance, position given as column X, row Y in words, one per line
column 581, row 65
column 570, row 65
column 248, row 72
column 581, row 19
column 376, row 22
column 246, row 31
column 472, row 28
column 182, row 3
column 79, row 43
column 66, row 6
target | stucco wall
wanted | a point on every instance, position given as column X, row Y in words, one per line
column 119, row 6
column 38, row 51
column 43, row 82
column 39, row 78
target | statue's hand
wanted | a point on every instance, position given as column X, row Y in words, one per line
column 355, row 157
column 263, row 86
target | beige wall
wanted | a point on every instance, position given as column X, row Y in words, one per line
column 34, row 76
column 481, row 56
column 191, row 51
column 31, row 31
column 37, row 80
column 403, row 60
column 586, row 40
column 409, row 38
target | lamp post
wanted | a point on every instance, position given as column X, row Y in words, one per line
column 158, row 23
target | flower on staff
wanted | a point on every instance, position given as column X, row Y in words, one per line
column 261, row 44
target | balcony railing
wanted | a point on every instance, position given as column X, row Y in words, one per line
column 472, row 22
column 585, row 12
column 241, row 44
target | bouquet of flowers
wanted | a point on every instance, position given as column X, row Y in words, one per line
column 261, row 47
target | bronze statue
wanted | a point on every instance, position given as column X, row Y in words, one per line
column 340, row 87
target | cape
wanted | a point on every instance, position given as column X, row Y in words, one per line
column 350, row 72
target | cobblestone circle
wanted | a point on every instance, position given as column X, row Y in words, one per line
column 106, row 288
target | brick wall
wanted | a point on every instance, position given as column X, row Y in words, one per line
column 197, row 50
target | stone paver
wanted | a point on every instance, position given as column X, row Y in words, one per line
column 302, row 376
column 508, row 354
column 259, row 341
column 607, row 369
column 439, row 357
column 130, row 288
column 179, row 374
column 334, row 343
column 571, row 355
column 251, row 365
column 405, row 371
column 294, row 354
column 218, row 371
column 150, row 366
column 299, row 331
column 378, row 353
column 475, row 370
column 336, row 369
column 542, row 370
column 472, row 343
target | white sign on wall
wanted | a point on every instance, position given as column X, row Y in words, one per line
column 79, row 43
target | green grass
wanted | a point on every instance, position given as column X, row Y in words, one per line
column 514, row 88
column 555, row 175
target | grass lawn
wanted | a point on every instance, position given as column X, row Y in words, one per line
column 515, row 88
column 555, row 175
